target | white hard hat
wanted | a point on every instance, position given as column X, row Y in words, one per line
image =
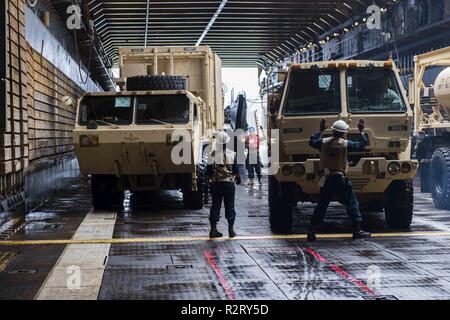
column 340, row 126
column 222, row 137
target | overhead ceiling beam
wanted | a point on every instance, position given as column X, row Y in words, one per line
column 211, row 22
column 237, row 29
column 146, row 22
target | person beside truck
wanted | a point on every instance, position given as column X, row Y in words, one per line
column 223, row 173
column 334, row 181
column 253, row 160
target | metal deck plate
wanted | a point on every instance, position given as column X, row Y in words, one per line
column 268, row 268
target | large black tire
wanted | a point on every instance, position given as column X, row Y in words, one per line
column 440, row 178
column 399, row 204
column 281, row 204
column 104, row 191
column 141, row 83
column 194, row 200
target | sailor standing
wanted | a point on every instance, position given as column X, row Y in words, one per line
column 334, row 181
column 223, row 174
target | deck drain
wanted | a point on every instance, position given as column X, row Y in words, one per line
column 386, row 297
column 5, row 259
column 53, row 226
column 23, row 271
column 178, row 266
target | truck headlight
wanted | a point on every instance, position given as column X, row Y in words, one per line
column 286, row 170
column 299, row 170
column 406, row 167
column 394, row 168
column 88, row 141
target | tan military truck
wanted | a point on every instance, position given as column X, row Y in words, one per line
column 348, row 90
column 124, row 140
column 429, row 93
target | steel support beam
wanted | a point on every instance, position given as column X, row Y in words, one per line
column 146, row 22
column 277, row 26
column 211, row 22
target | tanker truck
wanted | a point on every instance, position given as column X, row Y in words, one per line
column 432, row 125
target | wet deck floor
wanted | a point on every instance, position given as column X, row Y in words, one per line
column 165, row 254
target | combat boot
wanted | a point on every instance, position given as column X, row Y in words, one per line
column 214, row 233
column 231, row 232
column 358, row 233
column 311, row 236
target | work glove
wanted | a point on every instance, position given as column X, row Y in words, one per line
column 361, row 125
column 323, row 125
column 238, row 180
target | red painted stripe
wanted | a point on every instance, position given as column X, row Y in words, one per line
column 358, row 283
column 222, row 279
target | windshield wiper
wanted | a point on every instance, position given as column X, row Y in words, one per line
column 162, row 122
column 112, row 125
column 364, row 79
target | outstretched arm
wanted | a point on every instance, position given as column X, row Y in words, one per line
column 355, row 146
column 315, row 141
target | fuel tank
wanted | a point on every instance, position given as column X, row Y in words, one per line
column 442, row 88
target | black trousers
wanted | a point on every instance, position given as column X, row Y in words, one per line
column 252, row 167
column 222, row 191
column 337, row 185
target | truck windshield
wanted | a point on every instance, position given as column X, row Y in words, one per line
column 374, row 91
column 313, row 91
column 155, row 109
column 106, row 110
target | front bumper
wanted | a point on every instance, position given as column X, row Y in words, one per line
column 370, row 175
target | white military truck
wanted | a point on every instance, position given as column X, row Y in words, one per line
column 432, row 126
column 347, row 90
column 124, row 139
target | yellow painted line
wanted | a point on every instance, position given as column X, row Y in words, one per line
column 193, row 239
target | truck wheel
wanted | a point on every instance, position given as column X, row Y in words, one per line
column 281, row 203
column 156, row 82
column 399, row 204
column 194, row 200
column 440, row 178
column 102, row 188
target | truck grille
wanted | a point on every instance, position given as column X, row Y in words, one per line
column 359, row 183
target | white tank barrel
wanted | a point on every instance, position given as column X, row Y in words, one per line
column 442, row 88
